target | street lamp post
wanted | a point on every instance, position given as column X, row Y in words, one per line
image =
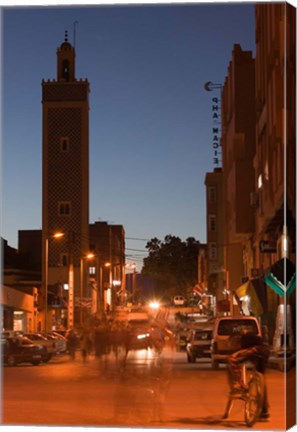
column 89, row 256
column 45, row 284
column 134, row 282
column 81, row 290
column 101, row 301
column 108, row 293
column 56, row 235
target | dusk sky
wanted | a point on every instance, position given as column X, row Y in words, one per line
column 150, row 116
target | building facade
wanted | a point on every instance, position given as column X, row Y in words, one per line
column 65, row 190
column 216, row 275
column 258, row 140
column 275, row 157
column 108, row 244
column 238, row 150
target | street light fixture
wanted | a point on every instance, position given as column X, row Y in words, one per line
column 55, row 235
column 133, row 267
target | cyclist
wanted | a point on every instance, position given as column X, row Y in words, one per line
column 255, row 350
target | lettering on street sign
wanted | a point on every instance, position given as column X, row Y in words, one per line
column 267, row 246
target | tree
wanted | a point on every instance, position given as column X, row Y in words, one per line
column 173, row 263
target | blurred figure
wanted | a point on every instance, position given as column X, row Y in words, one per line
column 158, row 338
column 101, row 342
column 255, row 350
column 85, row 344
column 117, row 341
column 72, row 342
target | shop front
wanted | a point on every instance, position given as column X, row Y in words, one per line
column 19, row 310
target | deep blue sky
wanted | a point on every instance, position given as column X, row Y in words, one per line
column 150, row 117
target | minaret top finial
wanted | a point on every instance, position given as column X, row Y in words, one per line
column 66, row 36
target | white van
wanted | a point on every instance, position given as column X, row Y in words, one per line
column 223, row 342
column 179, row 300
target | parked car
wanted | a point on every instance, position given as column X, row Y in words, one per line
column 49, row 345
column 59, row 340
column 226, row 336
column 20, row 350
column 182, row 339
column 11, row 333
column 59, row 332
column 179, row 300
column 199, row 343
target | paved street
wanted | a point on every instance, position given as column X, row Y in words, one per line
column 149, row 391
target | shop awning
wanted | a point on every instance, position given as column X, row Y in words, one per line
column 281, row 277
column 256, row 290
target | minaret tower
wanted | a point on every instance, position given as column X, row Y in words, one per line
column 65, row 188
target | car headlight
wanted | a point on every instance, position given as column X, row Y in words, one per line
column 143, row 336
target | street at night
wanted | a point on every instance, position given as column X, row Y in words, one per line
column 149, row 391
column 149, row 216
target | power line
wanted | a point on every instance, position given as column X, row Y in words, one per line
column 135, row 238
column 137, row 250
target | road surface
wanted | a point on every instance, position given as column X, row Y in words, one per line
column 148, row 391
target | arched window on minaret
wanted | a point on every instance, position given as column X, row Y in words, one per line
column 66, row 61
column 65, row 72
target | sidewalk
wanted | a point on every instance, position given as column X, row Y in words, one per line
column 282, row 363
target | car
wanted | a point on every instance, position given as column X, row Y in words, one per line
column 59, row 341
column 226, row 336
column 49, row 345
column 199, row 343
column 179, row 300
column 182, row 339
column 17, row 350
column 59, row 332
column 11, row 333
column 138, row 335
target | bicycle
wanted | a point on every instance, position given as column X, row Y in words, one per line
column 252, row 394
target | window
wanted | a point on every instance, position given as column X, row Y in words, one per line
column 64, row 144
column 64, row 208
column 236, row 327
column 212, row 194
column 92, row 270
column 212, row 249
column 64, row 259
column 212, row 220
column 65, row 70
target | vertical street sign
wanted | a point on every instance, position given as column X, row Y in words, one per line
column 70, row 297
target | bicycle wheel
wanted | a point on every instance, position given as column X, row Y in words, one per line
column 254, row 398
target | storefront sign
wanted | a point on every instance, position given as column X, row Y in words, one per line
column 267, row 246
column 216, row 130
column 216, row 108
column 71, row 297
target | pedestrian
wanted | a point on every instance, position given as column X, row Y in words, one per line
column 85, row 342
column 116, row 339
column 72, row 342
